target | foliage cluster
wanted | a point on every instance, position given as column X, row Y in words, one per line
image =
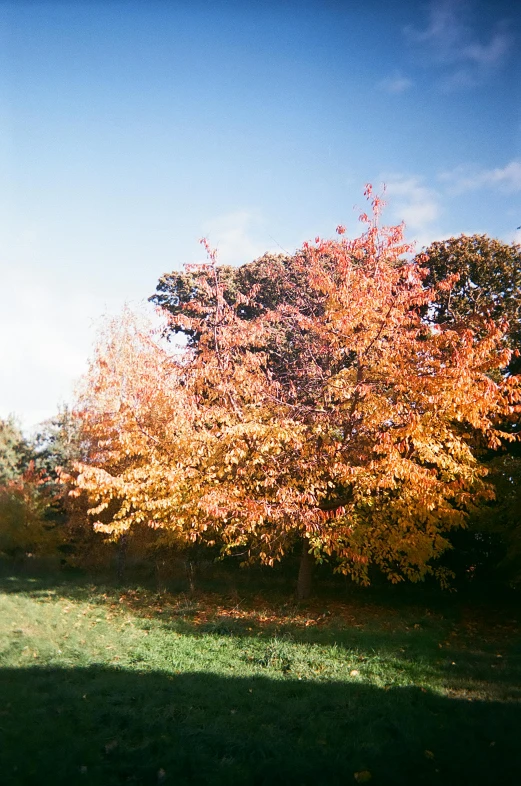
column 33, row 517
column 330, row 398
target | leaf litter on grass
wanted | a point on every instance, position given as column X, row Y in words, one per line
column 209, row 638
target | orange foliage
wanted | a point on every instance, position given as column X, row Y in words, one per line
column 339, row 415
column 27, row 526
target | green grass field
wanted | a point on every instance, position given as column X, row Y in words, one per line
column 100, row 685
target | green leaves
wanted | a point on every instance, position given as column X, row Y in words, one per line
column 486, row 276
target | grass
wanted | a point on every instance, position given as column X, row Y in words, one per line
column 103, row 686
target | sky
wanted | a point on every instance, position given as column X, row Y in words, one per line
column 129, row 130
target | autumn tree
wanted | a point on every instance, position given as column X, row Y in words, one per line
column 251, row 291
column 338, row 417
column 135, row 435
column 30, row 497
column 28, row 524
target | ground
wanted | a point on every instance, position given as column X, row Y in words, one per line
column 105, row 685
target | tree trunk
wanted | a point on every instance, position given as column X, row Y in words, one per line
column 159, row 563
column 121, row 558
column 191, row 569
column 305, row 573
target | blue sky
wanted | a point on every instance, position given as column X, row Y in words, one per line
column 130, row 129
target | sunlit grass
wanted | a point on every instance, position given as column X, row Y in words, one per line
column 209, row 689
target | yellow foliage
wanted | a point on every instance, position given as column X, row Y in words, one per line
column 364, row 441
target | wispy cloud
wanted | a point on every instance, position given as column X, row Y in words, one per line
column 415, row 203
column 467, row 178
column 233, row 234
column 452, row 42
column 395, row 84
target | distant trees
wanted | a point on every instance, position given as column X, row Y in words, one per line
column 31, row 497
column 15, row 450
column 488, row 284
column 488, row 287
column 321, row 400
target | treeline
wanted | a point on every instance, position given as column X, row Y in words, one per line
column 350, row 401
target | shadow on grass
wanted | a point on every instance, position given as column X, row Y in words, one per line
column 233, row 582
column 100, row 727
column 482, row 662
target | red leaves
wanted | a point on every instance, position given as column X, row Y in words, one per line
column 330, row 408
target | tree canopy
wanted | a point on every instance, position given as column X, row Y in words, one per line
column 15, row 450
column 315, row 402
column 488, row 284
column 31, row 499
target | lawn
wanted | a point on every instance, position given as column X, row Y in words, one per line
column 103, row 685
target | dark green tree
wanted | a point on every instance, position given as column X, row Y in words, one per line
column 253, row 290
column 57, row 443
column 250, row 289
column 15, row 450
column 488, row 286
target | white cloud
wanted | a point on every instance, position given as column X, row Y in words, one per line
column 47, row 336
column 467, row 178
column 451, row 42
column 396, row 84
column 52, row 300
column 232, row 235
column 418, row 205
